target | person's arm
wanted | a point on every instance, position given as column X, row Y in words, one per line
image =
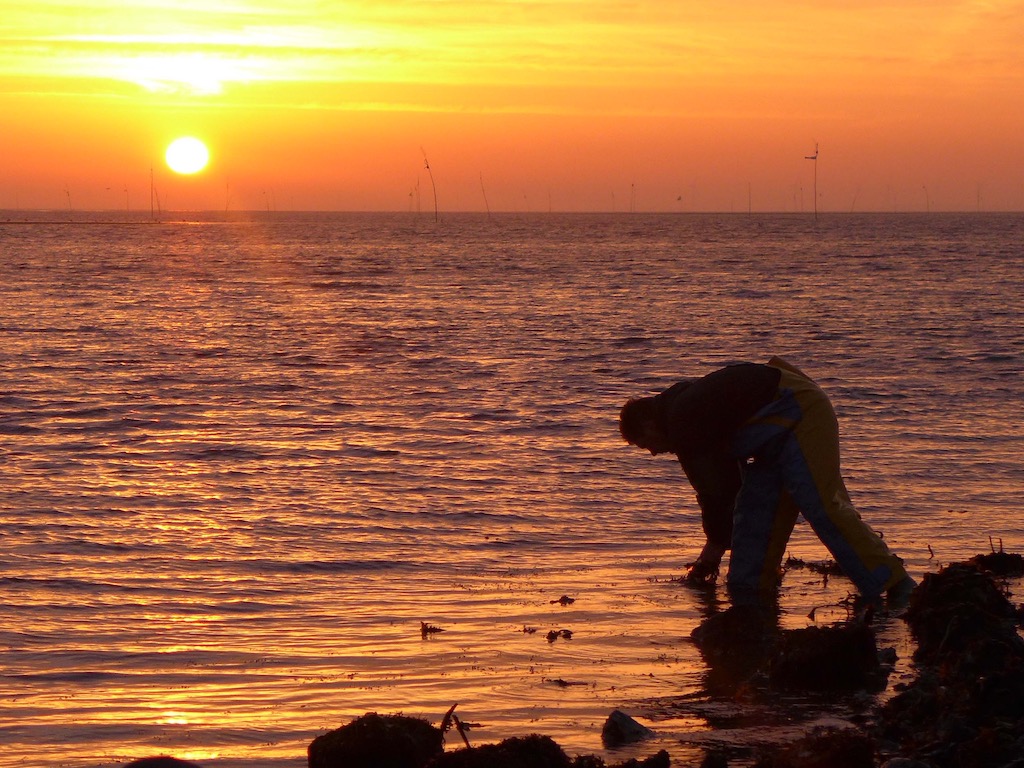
column 716, row 479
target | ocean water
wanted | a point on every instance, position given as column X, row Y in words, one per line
column 243, row 458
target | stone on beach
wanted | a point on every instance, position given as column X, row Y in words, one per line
column 377, row 741
column 528, row 752
column 621, row 729
column 830, row 658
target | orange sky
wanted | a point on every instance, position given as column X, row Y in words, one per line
column 553, row 104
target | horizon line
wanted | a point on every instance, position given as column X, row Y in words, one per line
column 141, row 215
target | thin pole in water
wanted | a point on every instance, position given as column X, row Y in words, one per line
column 487, row 205
column 426, row 164
column 814, row 157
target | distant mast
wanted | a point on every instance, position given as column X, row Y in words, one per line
column 814, row 157
column 426, row 164
column 487, row 205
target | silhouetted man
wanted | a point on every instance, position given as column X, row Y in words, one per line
column 760, row 445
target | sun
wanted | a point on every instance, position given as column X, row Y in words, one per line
column 187, row 155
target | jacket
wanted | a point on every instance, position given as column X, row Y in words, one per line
column 700, row 418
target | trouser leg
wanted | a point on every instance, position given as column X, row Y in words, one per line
column 764, row 519
column 785, row 519
column 810, row 463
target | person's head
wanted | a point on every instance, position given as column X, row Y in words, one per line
column 639, row 426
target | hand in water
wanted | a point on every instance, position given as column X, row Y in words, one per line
column 704, row 572
column 701, row 574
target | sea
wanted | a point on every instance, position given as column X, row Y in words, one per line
column 251, row 462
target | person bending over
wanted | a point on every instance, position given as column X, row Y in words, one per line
column 760, row 445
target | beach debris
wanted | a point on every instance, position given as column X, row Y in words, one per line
column 563, row 600
column 161, row 761
column 377, row 741
column 427, row 630
column 529, row 630
column 450, row 719
column 620, row 729
column 554, row 634
column 825, row 568
column 561, row 683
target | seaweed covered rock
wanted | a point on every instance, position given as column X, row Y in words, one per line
column 377, row 741
column 831, row 658
column 528, row 752
column 660, row 759
column 955, row 610
column 1000, row 563
column 965, row 708
column 743, row 643
column 824, row 748
column 535, row 752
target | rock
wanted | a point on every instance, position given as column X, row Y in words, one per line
column 955, row 608
column 824, row 748
column 162, row 761
column 659, row 760
column 1000, row 563
column 528, row 752
column 832, row 658
column 377, row 741
column 715, row 758
column 621, row 729
column 965, row 707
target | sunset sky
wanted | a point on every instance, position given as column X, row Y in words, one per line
column 532, row 105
